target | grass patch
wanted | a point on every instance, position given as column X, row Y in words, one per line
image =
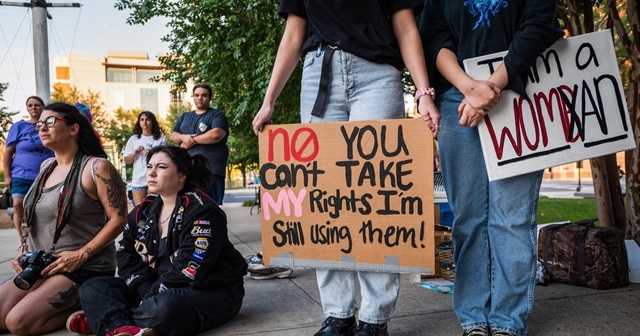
column 248, row 203
column 560, row 209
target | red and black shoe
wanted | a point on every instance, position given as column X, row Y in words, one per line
column 77, row 323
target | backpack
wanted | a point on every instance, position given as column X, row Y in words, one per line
column 584, row 255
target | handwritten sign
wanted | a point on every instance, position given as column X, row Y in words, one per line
column 574, row 110
column 354, row 195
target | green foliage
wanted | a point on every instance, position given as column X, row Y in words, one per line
column 6, row 116
column 231, row 45
column 64, row 93
column 120, row 128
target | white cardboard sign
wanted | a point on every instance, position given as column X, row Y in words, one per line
column 575, row 109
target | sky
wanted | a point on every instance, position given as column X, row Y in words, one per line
column 100, row 28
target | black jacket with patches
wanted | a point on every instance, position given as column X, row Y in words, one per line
column 201, row 255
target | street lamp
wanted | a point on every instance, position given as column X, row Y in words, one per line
column 579, row 165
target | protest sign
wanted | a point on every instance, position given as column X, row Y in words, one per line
column 350, row 195
column 574, row 109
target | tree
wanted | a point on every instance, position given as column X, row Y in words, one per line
column 6, row 116
column 229, row 44
column 623, row 18
column 120, row 128
column 70, row 94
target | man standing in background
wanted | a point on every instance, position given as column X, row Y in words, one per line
column 205, row 131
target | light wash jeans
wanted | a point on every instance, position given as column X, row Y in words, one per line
column 359, row 90
column 493, row 229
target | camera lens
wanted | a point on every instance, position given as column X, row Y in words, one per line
column 21, row 283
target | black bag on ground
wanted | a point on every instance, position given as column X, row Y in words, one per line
column 584, row 255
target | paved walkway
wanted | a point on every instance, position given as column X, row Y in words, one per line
column 291, row 307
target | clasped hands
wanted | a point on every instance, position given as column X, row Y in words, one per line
column 479, row 98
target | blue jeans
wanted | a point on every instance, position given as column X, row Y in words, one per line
column 359, row 90
column 493, row 229
column 216, row 189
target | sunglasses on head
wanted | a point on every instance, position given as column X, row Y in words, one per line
column 48, row 122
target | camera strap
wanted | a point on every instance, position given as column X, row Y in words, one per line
column 66, row 198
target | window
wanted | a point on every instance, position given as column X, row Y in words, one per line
column 145, row 75
column 119, row 75
column 62, row 73
column 149, row 100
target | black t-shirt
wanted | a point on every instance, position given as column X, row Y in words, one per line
column 360, row 27
column 469, row 29
column 193, row 123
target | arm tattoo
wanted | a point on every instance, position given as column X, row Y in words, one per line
column 66, row 299
column 116, row 190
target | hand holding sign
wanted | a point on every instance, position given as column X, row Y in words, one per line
column 574, row 108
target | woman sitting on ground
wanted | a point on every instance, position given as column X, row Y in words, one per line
column 178, row 272
column 73, row 212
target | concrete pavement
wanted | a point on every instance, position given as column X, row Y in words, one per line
column 292, row 306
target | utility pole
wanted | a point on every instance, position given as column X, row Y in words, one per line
column 40, row 40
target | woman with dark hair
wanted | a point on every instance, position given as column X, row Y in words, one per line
column 146, row 135
column 178, row 272
column 73, row 212
column 23, row 154
column 494, row 222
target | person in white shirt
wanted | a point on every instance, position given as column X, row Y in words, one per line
column 146, row 135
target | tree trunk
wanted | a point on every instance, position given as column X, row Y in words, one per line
column 604, row 170
column 607, row 189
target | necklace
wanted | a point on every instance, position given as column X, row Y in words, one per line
column 162, row 221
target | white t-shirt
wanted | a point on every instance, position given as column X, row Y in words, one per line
column 139, row 178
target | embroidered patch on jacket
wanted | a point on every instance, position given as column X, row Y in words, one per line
column 198, row 255
column 199, row 231
column 190, row 272
column 202, row 243
column 484, row 10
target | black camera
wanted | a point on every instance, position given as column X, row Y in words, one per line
column 32, row 264
column 6, row 201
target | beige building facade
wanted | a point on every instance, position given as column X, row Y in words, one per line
column 123, row 79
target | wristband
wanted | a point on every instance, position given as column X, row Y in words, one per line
column 424, row 92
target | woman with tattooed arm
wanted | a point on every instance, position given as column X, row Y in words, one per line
column 73, row 212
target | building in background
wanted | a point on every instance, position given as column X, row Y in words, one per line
column 123, row 79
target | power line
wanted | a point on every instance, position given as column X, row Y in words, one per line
column 10, row 44
column 75, row 30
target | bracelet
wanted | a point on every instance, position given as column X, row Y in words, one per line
column 424, row 92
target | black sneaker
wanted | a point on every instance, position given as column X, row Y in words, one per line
column 334, row 326
column 371, row 329
column 501, row 333
column 270, row 273
column 476, row 331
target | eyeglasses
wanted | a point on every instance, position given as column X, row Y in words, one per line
column 49, row 122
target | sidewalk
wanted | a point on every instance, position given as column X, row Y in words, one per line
column 291, row 307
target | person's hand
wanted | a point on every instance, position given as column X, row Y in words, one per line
column 429, row 113
column 468, row 116
column 15, row 264
column 262, row 118
column 187, row 142
column 66, row 262
column 139, row 149
column 482, row 95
